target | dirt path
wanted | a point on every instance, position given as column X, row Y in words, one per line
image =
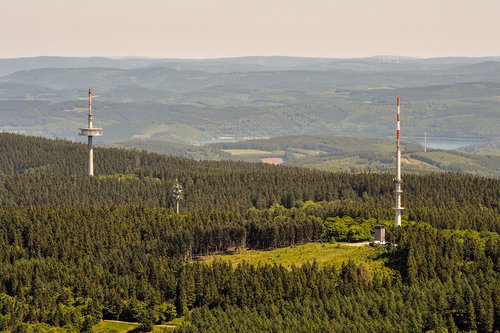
column 357, row 244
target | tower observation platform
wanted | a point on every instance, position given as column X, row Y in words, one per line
column 90, row 132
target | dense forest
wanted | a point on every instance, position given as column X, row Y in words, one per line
column 76, row 249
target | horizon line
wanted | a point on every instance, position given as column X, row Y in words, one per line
column 246, row 56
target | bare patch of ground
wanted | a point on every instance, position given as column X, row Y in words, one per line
column 272, row 160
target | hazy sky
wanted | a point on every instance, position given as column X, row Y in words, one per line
column 223, row 28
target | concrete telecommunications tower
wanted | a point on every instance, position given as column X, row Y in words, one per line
column 397, row 181
column 90, row 132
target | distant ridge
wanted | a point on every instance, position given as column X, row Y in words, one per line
column 249, row 63
column 191, row 100
column 486, row 66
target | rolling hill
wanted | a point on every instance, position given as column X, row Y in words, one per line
column 202, row 100
column 334, row 153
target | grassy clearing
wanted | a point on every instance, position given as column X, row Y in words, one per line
column 341, row 164
column 107, row 326
column 176, row 321
column 305, row 152
column 114, row 327
column 352, row 163
column 247, row 152
column 323, row 253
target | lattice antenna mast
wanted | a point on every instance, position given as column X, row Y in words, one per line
column 90, row 132
column 425, row 142
column 398, row 209
column 177, row 191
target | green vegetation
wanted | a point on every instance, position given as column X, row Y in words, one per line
column 344, row 154
column 107, row 326
column 324, row 254
column 176, row 321
column 251, row 152
column 174, row 149
column 490, row 148
column 460, row 162
column 238, row 152
column 75, row 249
column 171, row 133
column 419, row 163
column 119, row 176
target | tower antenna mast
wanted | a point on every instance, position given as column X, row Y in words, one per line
column 397, row 181
column 177, row 191
column 90, row 132
column 425, row 142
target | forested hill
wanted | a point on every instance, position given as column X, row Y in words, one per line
column 38, row 171
column 75, row 249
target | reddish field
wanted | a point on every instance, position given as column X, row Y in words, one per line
column 272, row 160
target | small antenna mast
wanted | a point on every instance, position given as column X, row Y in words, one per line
column 177, row 191
column 425, row 142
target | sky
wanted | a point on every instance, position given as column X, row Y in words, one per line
column 229, row 28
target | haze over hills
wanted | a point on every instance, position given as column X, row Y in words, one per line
column 253, row 63
column 242, row 64
column 192, row 101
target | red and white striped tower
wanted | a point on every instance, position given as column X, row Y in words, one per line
column 397, row 181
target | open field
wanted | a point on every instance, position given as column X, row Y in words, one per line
column 252, row 152
column 335, row 154
column 364, row 163
column 246, row 152
column 114, row 327
column 111, row 326
column 413, row 162
column 322, row 253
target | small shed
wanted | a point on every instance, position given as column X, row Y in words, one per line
column 379, row 234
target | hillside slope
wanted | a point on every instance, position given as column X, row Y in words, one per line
column 186, row 101
column 76, row 249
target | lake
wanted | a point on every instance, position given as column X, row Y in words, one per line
column 446, row 143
